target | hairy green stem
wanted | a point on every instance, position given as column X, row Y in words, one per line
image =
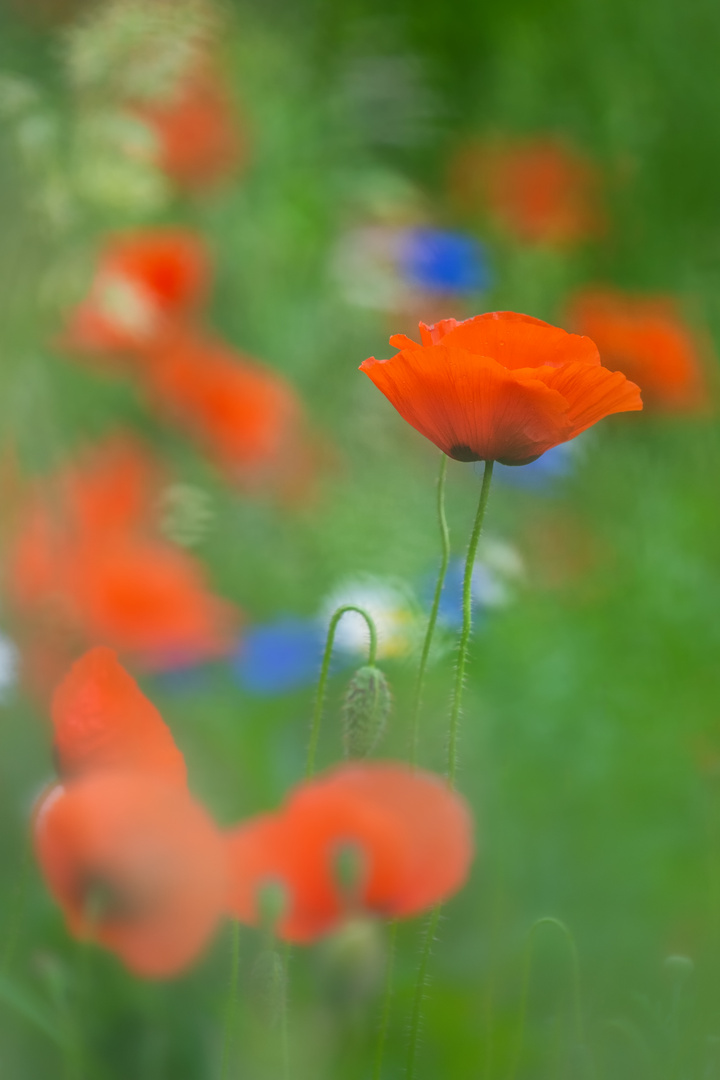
column 322, row 682
column 416, row 1014
column 549, row 920
column 387, row 1000
column 432, row 620
column 466, row 625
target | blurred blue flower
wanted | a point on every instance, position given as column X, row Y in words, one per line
column 498, row 570
column 281, row 656
column 441, row 261
column 553, row 465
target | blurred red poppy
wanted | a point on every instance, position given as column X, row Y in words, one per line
column 538, row 189
column 86, row 555
column 499, row 387
column 648, row 340
column 248, row 418
column 144, row 283
column 198, row 135
column 404, row 836
column 136, row 865
column 103, row 722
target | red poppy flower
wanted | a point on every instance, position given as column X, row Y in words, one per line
column 249, row 419
column 86, row 556
column 136, row 865
column 538, row 189
column 647, row 339
column 407, row 836
column 499, row 387
column 145, row 281
column 103, row 722
column 198, row 137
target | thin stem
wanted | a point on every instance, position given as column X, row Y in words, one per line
column 466, row 625
column 432, row 620
column 549, row 920
column 231, row 1000
column 322, row 682
column 387, row 1000
column 416, row 1013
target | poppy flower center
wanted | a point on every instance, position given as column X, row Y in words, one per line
column 461, row 452
column 104, row 901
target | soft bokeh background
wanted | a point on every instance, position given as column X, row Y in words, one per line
column 591, row 737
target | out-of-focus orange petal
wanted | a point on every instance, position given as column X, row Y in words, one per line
column 438, row 843
column 150, row 599
column 410, row 835
column 649, row 341
column 148, row 854
column 199, row 138
column 248, row 418
column 103, row 721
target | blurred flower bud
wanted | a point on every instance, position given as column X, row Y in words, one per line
column 186, row 514
column 365, row 711
column 679, row 967
column 353, row 960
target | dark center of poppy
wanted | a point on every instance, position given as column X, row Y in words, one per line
column 461, row 452
column 349, row 871
column 103, row 900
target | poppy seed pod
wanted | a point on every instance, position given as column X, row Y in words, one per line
column 365, row 711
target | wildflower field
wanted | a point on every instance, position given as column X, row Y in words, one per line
column 359, row 554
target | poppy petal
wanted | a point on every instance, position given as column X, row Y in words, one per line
column 148, row 853
column 472, row 408
column 593, row 393
column 515, row 340
column 102, row 721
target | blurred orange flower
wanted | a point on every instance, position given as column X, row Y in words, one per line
column 406, row 837
column 538, row 189
column 144, row 283
column 198, row 136
column 248, row 418
column 86, row 555
column 103, row 722
column 499, row 387
column 647, row 339
column 136, row 865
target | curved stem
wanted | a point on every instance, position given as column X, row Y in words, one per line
column 466, row 624
column 231, row 1000
column 387, row 999
column 432, row 620
column 418, row 995
column 549, row 920
column 322, row 682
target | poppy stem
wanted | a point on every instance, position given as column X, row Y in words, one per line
column 432, row 620
column 387, row 1000
column 466, row 624
column 419, row 993
column 549, row 920
column 322, row 682
column 231, row 1000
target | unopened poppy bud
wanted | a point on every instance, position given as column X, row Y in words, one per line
column 268, row 986
column 679, row 967
column 365, row 711
column 353, row 960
